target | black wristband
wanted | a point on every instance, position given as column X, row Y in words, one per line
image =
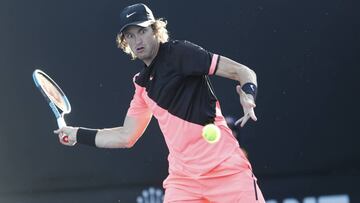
column 250, row 88
column 86, row 136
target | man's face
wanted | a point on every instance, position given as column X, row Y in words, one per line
column 142, row 42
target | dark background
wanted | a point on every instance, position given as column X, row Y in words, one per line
column 305, row 54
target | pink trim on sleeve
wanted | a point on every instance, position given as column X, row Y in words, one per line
column 137, row 105
column 213, row 64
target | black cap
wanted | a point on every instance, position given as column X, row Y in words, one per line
column 137, row 14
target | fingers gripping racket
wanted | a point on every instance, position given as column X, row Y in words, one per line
column 53, row 94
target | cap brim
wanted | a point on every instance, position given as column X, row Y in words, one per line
column 138, row 23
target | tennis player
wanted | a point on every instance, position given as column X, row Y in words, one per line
column 174, row 87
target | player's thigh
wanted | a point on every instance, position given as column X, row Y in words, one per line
column 176, row 195
column 250, row 197
column 188, row 201
column 237, row 188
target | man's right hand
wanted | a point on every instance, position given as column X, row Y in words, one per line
column 69, row 132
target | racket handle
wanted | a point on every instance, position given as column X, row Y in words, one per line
column 61, row 123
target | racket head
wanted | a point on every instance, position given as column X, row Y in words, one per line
column 51, row 91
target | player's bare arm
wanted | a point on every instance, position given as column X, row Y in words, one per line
column 233, row 70
column 118, row 137
column 247, row 89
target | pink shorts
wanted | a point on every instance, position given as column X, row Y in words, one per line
column 228, row 182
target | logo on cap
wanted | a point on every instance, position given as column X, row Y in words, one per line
column 137, row 14
column 128, row 15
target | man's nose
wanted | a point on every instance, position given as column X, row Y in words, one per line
column 138, row 40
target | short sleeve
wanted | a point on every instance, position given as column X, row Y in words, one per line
column 194, row 60
column 138, row 106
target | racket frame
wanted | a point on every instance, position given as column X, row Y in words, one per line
column 59, row 116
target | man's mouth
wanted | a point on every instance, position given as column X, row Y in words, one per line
column 139, row 49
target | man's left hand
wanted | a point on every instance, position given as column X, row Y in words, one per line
column 248, row 104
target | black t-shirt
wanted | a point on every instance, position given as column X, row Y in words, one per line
column 177, row 81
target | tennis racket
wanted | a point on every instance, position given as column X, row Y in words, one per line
column 55, row 97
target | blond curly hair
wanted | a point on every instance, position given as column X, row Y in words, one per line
column 160, row 32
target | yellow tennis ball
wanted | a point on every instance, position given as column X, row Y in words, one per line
column 211, row 133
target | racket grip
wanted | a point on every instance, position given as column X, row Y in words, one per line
column 61, row 122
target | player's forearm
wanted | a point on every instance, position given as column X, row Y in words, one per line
column 119, row 137
column 113, row 138
column 116, row 137
column 233, row 70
